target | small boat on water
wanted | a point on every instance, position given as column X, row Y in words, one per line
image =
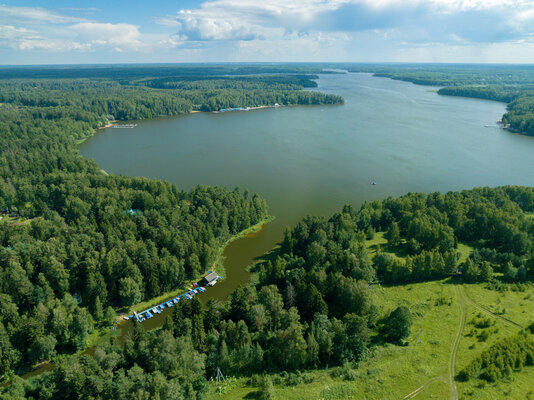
column 373, row 183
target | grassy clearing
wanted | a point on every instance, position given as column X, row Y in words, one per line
column 519, row 386
column 393, row 372
column 477, row 338
column 513, row 305
column 465, row 251
column 380, row 244
column 99, row 335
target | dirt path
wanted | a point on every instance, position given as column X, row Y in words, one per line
column 454, row 351
column 423, row 386
column 462, row 300
column 484, row 309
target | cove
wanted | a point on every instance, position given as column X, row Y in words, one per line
column 314, row 159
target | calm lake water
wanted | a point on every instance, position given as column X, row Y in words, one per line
column 314, row 159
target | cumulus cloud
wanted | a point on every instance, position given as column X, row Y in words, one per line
column 281, row 30
column 27, row 28
column 102, row 34
column 27, row 39
column 471, row 20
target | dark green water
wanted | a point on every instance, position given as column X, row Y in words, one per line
column 315, row 159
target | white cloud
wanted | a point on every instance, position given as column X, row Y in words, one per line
column 33, row 15
column 104, row 34
column 281, row 30
column 26, row 28
column 26, row 39
column 272, row 19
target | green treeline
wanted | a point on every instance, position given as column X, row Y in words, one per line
column 427, row 229
column 76, row 243
column 520, row 115
column 313, row 303
column 502, row 358
column 510, row 84
column 125, row 72
column 136, row 100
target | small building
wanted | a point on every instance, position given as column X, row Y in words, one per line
column 133, row 212
column 210, row 279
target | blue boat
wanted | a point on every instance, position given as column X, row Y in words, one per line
column 148, row 315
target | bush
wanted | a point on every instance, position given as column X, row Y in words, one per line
column 337, row 392
column 398, row 324
column 266, row 391
column 501, row 359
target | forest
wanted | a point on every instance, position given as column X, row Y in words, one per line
column 76, row 243
column 509, row 84
column 312, row 303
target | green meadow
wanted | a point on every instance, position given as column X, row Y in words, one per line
column 422, row 367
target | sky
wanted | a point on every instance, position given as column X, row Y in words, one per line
column 117, row 31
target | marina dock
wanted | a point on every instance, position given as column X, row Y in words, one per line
column 211, row 279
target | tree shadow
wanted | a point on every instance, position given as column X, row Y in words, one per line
column 253, row 395
column 271, row 256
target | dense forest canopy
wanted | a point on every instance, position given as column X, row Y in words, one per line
column 313, row 303
column 507, row 83
column 141, row 71
column 75, row 243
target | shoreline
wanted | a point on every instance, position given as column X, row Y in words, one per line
column 105, row 333
column 218, row 266
column 223, row 110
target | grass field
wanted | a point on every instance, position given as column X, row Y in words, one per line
column 422, row 369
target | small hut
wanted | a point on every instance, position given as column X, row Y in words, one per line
column 210, row 279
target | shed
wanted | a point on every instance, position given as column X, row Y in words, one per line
column 210, row 279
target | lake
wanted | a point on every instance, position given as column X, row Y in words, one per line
column 314, row 159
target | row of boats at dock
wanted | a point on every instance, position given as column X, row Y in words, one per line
column 209, row 280
column 152, row 311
